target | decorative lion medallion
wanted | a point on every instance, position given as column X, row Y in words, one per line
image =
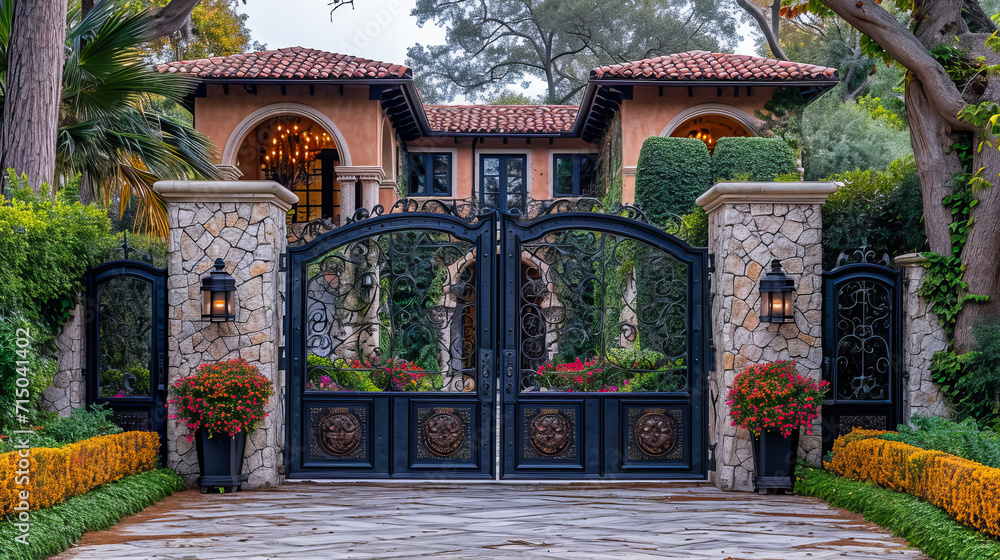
column 550, row 433
column 444, row 432
column 656, row 433
column 339, row 432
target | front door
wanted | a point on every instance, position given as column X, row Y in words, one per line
column 502, row 180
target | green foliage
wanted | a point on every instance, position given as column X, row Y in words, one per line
column 963, row 439
column 670, row 175
column 880, row 210
column 55, row 529
column 45, row 247
column 923, row 525
column 339, row 372
column 782, row 117
column 610, row 173
column 840, row 137
column 694, row 227
column 879, row 111
column 971, row 381
column 763, row 158
column 81, row 424
column 986, row 117
column 944, row 284
column 508, row 97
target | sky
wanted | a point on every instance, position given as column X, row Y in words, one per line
column 376, row 29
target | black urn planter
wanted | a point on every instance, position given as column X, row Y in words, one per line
column 220, row 460
column 774, row 461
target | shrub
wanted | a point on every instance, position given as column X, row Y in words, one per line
column 966, row 490
column 222, row 398
column 763, row 158
column 963, row 439
column 56, row 528
column 694, row 228
column 670, row 175
column 58, row 474
column 923, row 525
column 773, row 396
column 82, row 424
column 879, row 210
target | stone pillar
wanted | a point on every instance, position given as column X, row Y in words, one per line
column 370, row 176
column 68, row 390
column 923, row 335
column 243, row 223
column 750, row 224
column 347, row 205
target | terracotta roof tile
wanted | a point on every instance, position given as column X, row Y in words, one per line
column 701, row 65
column 501, row 119
column 290, row 63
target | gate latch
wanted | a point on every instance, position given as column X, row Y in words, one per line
column 508, row 371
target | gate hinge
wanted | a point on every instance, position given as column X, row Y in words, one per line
column 711, row 262
column 711, row 357
column 282, row 359
column 282, row 262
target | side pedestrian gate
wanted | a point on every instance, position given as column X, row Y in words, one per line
column 452, row 343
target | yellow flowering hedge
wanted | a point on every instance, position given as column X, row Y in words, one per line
column 968, row 491
column 54, row 475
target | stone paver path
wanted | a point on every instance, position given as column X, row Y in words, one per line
column 304, row 521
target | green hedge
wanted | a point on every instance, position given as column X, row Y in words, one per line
column 55, row 529
column 925, row 526
column 762, row 159
column 670, row 175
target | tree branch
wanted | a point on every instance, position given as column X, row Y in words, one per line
column 169, row 19
column 769, row 34
column 903, row 46
column 976, row 18
column 854, row 94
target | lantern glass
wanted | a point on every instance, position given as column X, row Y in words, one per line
column 776, row 291
column 217, row 291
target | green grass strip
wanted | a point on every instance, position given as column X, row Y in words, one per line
column 924, row 525
column 54, row 529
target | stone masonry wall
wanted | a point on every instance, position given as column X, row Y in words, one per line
column 749, row 225
column 68, row 390
column 244, row 226
column 922, row 337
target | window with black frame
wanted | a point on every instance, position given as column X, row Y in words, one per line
column 502, row 181
column 430, row 174
column 574, row 175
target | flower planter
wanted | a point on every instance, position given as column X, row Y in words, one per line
column 220, row 460
column 774, row 461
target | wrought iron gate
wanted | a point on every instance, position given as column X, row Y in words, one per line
column 411, row 333
column 126, row 342
column 862, row 326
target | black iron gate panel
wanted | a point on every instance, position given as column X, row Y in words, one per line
column 604, row 349
column 126, row 342
column 390, row 367
column 862, row 337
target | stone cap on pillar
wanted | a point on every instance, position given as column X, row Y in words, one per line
column 359, row 173
column 911, row 259
column 226, row 191
column 739, row 192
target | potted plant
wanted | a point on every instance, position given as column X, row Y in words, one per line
column 772, row 401
column 219, row 405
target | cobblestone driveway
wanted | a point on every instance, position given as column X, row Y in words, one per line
column 424, row 520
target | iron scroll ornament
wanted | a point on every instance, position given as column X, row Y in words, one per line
column 392, row 312
column 863, row 353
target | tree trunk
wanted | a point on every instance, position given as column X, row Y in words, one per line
column 982, row 252
column 937, row 165
column 34, row 77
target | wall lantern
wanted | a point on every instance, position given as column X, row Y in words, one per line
column 218, row 289
column 776, row 291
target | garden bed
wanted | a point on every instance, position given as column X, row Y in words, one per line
column 54, row 529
